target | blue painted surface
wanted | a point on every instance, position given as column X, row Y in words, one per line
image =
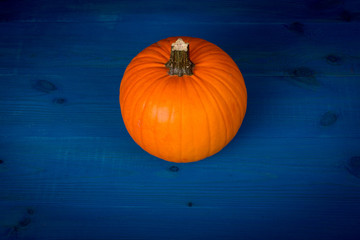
column 69, row 169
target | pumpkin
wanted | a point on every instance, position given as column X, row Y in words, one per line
column 182, row 99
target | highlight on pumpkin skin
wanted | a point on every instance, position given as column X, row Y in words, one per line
column 183, row 118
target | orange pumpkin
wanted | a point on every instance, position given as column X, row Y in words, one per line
column 182, row 99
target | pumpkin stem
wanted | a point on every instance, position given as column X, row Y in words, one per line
column 179, row 63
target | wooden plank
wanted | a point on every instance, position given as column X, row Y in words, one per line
column 258, row 49
column 190, row 223
column 165, row 12
column 82, row 106
column 81, row 170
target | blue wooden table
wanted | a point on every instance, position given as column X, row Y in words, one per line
column 69, row 169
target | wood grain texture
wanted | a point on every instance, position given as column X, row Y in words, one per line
column 165, row 12
column 69, row 169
